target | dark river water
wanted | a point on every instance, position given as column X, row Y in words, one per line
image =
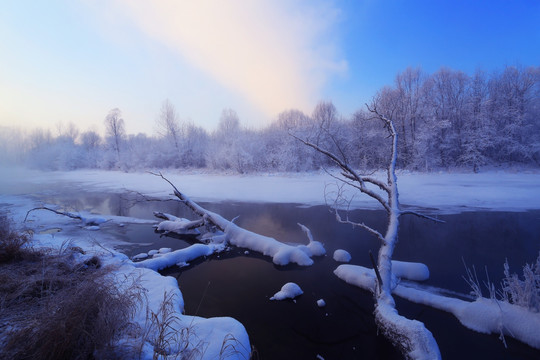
column 239, row 285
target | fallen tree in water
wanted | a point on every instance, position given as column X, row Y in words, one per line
column 222, row 231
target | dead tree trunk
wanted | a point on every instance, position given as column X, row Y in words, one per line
column 411, row 336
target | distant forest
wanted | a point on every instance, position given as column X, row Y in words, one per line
column 447, row 119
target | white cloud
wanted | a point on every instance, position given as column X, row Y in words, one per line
column 276, row 54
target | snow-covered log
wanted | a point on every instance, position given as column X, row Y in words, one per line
column 410, row 336
column 281, row 253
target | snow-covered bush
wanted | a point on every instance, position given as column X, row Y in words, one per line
column 526, row 292
column 523, row 292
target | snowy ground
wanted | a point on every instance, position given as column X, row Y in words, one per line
column 440, row 192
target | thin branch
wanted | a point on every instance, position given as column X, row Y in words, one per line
column 423, row 216
column 348, row 170
column 372, row 231
column 71, row 215
column 147, row 198
column 204, row 214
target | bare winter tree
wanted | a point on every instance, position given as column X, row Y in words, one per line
column 69, row 131
column 114, row 128
column 410, row 336
column 168, row 125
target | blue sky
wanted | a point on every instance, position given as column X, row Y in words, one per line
column 63, row 61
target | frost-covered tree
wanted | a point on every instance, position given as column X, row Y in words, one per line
column 448, row 96
column 229, row 148
column 168, row 125
column 12, row 145
column 282, row 152
column 140, row 151
column 477, row 135
column 195, row 144
column 511, row 93
column 91, row 144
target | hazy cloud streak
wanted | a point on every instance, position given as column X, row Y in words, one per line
column 277, row 54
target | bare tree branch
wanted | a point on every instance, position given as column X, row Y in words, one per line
column 68, row 214
column 423, row 216
column 204, row 214
column 372, row 231
column 350, row 173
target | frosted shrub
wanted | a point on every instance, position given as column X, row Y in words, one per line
column 526, row 292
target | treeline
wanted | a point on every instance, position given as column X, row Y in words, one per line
column 446, row 119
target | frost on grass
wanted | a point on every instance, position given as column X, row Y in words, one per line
column 288, row 291
column 523, row 292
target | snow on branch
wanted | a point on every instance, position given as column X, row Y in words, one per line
column 372, row 231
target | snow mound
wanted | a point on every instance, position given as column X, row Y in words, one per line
column 321, row 303
column 288, row 291
column 314, row 248
column 341, row 255
column 140, row 256
column 357, row 275
column 410, row 270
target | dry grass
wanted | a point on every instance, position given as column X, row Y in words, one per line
column 169, row 338
column 12, row 243
column 55, row 307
